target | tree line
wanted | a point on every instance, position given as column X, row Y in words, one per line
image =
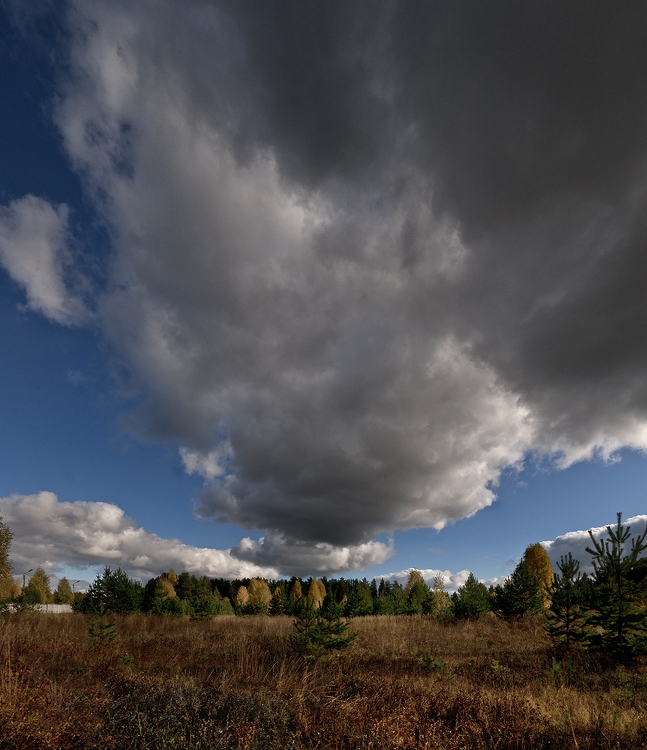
column 605, row 611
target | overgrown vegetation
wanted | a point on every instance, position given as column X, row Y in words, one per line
column 353, row 664
column 412, row 682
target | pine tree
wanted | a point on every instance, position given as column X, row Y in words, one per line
column 278, row 603
column 567, row 614
column 471, row 600
column 6, row 581
column 519, row 594
column 360, row 601
column 318, row 631
column 113, row 591
column 538, row 563
column 617, row 612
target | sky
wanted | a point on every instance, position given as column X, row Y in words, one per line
column 320, row 288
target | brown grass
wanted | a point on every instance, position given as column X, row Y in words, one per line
column 407, row 682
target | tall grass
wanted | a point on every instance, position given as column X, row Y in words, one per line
column 407, row 682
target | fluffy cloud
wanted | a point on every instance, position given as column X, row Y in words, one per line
column 576, row 542
column 33, row 251
column 50, row 533
column 366, row 258
column 311, row 559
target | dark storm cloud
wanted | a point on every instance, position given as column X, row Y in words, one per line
column 366, row 256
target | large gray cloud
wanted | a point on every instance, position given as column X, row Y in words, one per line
column 366, row 257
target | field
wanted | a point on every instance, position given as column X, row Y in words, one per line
column 234, row 682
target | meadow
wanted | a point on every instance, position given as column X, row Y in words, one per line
column 410, row 682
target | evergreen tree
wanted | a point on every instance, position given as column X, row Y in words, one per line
column 320, row 630
column 202, row 604
column 420, row 599
column 113, row 591
column 567, row 614
column 360, row 601
column 471, row 600
column 278, row 605
column 6, row 581
column 617, row 615
column 519, row 595
column 399, row 599
column 183, row 585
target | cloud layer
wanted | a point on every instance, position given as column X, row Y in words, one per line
column 364, row 257
column 50, row 533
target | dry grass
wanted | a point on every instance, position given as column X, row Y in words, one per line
column 233, row 683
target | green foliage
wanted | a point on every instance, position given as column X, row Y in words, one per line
column 566, row 619
column 37, row 590
column 31, row 596
column 63, row 593
column 617, row 617
column 320, row 630
column 112, row 591
column 360, row 601
column 203, row 604
column 159, row 598
column 519, row 595
column 471, row 600
column 183, row 585
column 420, row 600
column 278, row 605
column 102, row 631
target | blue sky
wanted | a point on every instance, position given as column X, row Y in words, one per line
column 272, row 308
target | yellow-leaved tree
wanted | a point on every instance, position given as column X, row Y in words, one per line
column 37, row 590
column 296, row 591
column 415, row 576
column 259, row 594
column 316, row 593
column 63, row 593
column 538, row 563
column 242, row 596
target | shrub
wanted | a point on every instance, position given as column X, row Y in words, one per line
column 320, row 630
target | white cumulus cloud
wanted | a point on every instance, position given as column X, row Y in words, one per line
column 51, row 533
